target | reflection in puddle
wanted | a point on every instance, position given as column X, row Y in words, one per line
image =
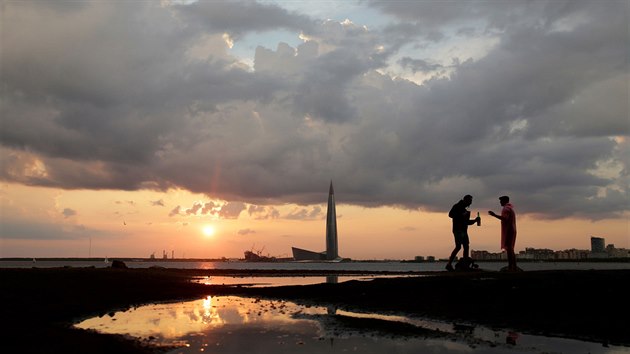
column 230, row 324
column 259, row 281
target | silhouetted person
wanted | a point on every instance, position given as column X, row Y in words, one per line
column 508, row 230
column 461, row 219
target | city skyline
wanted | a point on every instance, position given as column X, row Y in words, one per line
column 206, row 127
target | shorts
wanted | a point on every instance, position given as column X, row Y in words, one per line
column 461, row 237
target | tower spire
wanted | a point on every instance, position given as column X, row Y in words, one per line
column 332, row 251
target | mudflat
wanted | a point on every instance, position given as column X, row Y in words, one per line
column 39, row 306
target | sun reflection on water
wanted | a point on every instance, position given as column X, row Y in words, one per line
column 174, row 320
column 228, row 323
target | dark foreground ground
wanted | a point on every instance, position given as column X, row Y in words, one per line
column 38, row 306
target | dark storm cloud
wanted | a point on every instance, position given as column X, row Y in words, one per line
column 496, row 14
column 108, row 90
column 240, row 17
column 419, row 65
column 143, row 96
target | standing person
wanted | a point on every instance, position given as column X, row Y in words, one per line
column 508, row 230
column 461, row 219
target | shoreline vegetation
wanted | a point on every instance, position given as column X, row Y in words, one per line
column 39, row 305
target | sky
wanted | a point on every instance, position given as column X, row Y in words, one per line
column 207, row 128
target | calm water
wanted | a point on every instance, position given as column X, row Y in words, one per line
column 348, row 266
column 231, row 324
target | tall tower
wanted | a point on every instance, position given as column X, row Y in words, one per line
column 332, row 252
column 598, row 244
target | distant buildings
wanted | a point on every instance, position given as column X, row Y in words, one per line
column 485, row 256
column 617, row 252
column 424, row 259
column 597, row 251
column 598, row 245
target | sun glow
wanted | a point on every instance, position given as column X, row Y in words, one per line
column 208, row 230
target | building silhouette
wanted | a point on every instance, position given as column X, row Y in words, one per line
column 332, row 248
column 598, row 244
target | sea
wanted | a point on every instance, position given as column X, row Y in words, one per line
column 353, row 266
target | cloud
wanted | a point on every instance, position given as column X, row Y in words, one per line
column 28, row 230
column 304, row 214
column 231, row 210
column 67, row 212
column 246, row 232
column 227, row 210
column 241, row 17
column 175, row 211
column 144, row 95
column 209, row 208
column 201, row 208
column 419, row 65
column 159, row 202
column 260, row 212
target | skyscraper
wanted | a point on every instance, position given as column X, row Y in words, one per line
column 598, row 244
column 332, row 250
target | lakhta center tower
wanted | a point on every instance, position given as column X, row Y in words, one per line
column 332, row 252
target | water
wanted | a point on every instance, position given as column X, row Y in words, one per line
column 230, row 324
column 399, row 267
column 263, row 281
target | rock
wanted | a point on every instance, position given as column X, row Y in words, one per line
column 119, row 264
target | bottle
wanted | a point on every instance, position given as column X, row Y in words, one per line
column 478, row 219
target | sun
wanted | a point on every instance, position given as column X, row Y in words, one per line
column 208, row 230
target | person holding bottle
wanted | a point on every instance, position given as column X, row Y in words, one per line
column 461, row 220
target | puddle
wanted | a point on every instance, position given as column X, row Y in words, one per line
column 261, row 281
column 230, row 324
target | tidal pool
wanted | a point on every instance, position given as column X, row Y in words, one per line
column 264, row 281
column 230, row 324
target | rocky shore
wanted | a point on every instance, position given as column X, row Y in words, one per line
column 40, row 305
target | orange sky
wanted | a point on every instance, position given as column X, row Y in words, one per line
column 106, row 105
column 45, row 222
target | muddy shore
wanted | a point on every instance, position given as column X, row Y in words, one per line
column 39, row 305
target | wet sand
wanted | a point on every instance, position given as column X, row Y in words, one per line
column 40, row 305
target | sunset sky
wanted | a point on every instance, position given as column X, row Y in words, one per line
column 207, row 128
